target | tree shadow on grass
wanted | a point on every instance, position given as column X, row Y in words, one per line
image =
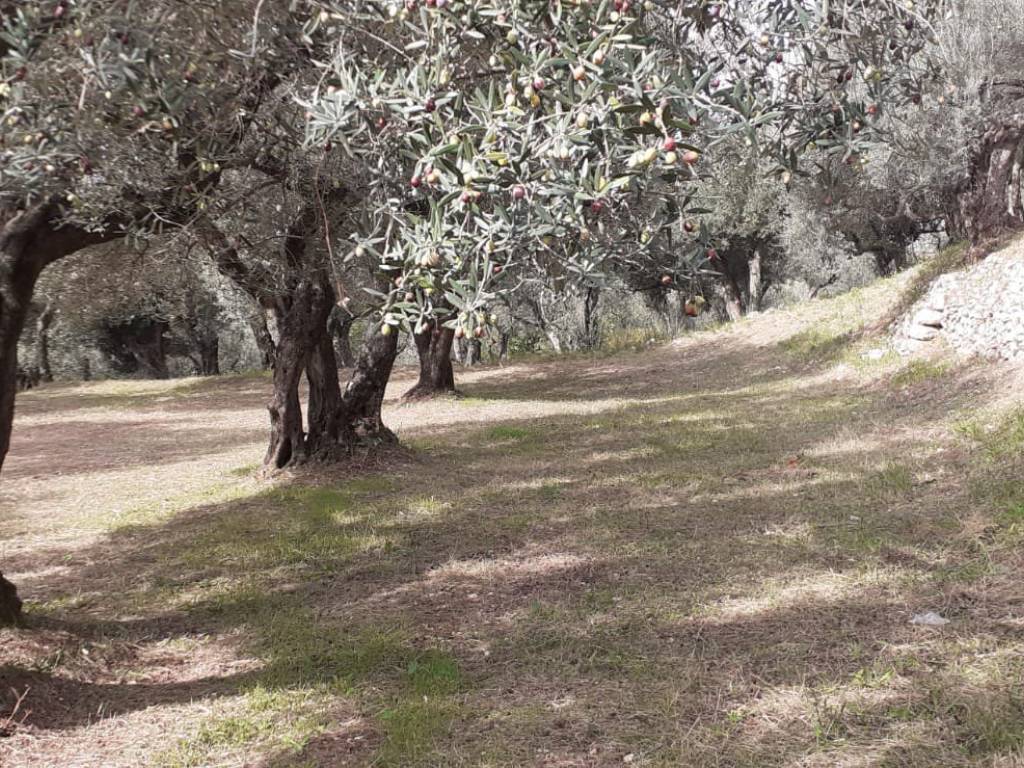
column 659, row 564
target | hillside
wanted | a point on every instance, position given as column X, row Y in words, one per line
column 705, row 553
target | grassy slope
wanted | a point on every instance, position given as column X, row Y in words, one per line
column 703, row 554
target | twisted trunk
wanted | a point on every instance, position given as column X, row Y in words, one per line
column 434, row 347
column 364, row 395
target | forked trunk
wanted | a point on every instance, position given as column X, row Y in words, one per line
column 437, row 376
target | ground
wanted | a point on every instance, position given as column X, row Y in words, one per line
column 700, row 553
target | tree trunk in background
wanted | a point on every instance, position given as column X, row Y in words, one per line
column 991, row 204
column 43, row 323
column 503, row 341
column 553, row 340
column 10, row 605
column 364, row 395
column 434, row 347
column 149, row 348
column 755, row 288
column 209, row 355
column 473, row 353
column 590, row 331
column 732, row 298
column 264, row 341
column 459, row 350
column 340, row 327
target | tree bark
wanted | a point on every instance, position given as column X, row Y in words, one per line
column 43, row 323
column 364, row 395
column 264, row 341
column 732, row 297
column 434, row 347
column 322, row 435
column 10, row 604
column 503, row 340
column 340, row 327
column 990, row 204
column 473, row 352
column 590, row 332
column 209, row 354
column 29, row 241
column 755, row 288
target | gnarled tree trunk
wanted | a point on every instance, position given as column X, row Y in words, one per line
column 991, row 202
column 364, row 395
column 434, row 347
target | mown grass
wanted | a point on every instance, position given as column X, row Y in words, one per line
column 717, row 574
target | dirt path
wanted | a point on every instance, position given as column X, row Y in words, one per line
column 705, row 554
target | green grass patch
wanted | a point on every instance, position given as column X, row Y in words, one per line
column 891, row 480
column 918, row 371
column 282, row 721
column 817, row 345
column 412, row 730
column 506, row 432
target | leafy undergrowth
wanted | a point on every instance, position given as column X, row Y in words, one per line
column 707, row 553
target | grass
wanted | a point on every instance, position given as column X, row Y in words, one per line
column 917, row 371
column 703, row 554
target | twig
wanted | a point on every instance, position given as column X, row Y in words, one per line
column 8, row 724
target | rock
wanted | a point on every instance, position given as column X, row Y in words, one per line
column 929, row 317
column 874, row 354
column 921, row 332
column 929, row 619
column 936, row 300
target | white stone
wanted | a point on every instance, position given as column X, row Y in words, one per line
column 929, row 619
column 929, row 317
column 921, row 333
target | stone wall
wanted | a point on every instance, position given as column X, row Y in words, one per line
column 977, row 311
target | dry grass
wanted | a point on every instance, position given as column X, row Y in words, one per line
column 704, row 554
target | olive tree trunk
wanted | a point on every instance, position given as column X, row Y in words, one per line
column 340, row 327
column 43, row 323
column 29, row 241
column 10, row 604
column 434, row 347
column 991, row 202
column 755, row 288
